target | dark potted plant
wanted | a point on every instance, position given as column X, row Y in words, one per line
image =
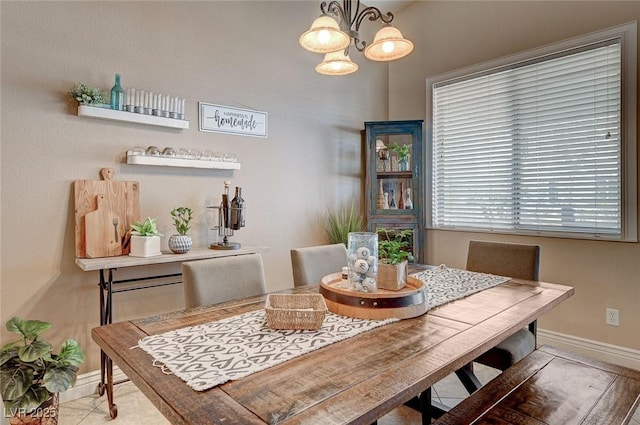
column 32, row 376
column 181, row 243
column 393, row 253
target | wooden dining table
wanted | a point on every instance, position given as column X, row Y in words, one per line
column 354, row 381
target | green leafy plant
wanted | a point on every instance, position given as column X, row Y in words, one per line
column 87, row 95
column 181, row 219
column 339, row 223
column 393, row 244
column 30, row 373
column 403, row 151
column 145, row 228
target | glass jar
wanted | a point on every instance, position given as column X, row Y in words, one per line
column 362, row 255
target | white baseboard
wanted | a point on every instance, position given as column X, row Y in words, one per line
column 87, row 383
column 616, row 354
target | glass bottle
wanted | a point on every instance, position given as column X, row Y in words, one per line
column 401, row 198
column 117, row 95
column 408, row 203
column 237, row 210
column 225, row 207
column 392, row 200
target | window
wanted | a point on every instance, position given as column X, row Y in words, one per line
column 539, row 143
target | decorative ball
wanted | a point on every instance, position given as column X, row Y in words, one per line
column 361, row 265
column 358, row 287
column 370, row 284
column 355, row 277
column 352, row 258
column 364, row 252
column 371, row 259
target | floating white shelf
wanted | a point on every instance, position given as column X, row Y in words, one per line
column 180, row 162
column 110, row 114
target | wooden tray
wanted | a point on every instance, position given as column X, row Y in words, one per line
column 410, row 301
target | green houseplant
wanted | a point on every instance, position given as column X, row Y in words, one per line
column 181, row 243
column 403, row 152
column 339, row 223
column 32, row 375
column 145, row 238
column 88, row 95
column 393, row 245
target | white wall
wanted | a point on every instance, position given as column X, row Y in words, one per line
column 242, row 54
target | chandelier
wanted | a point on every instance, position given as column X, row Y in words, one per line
column 338, row 27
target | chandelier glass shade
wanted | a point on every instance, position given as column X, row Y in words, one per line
column 337, row 29
column 337, row 63
column 388, row 45
column 325, row 36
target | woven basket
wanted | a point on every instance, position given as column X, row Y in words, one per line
column 295, row 311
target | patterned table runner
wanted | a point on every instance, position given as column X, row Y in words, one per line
column 445, row 284
column 216, row 352
column 213, row 353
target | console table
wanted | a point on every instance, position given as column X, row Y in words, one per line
column 107, row 267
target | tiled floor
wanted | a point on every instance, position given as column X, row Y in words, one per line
column 135, row 409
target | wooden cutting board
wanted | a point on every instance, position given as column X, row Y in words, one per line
column 103, row 237
column 122, row 198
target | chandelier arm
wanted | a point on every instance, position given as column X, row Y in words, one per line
column 373, row 13
column 334, row 8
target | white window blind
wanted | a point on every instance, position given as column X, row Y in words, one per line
column 533, row 146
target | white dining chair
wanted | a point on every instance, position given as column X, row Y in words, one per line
column 312, row 263
column 217, row 280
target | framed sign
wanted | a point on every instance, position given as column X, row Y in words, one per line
column 225, row 119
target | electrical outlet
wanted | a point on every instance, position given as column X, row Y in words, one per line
column 613, row 317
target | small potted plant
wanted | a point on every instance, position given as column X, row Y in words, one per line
column 394, row 256
column 31, row 376
column 145, row 238
column 181, row 243
column 88, row 95
column 403, row 152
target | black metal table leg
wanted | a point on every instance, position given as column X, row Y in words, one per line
column 106, row 317
column 468, row 378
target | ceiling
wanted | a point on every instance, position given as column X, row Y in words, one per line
column 385, row 6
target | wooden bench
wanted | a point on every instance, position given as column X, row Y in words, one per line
column 551, row 386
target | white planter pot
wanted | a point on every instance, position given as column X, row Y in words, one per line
column 179, row 244
column 145, row 246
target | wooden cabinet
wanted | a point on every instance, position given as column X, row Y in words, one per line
column 392, row 180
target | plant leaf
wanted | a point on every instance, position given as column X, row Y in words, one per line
column 7, row 354
column 35, row 350
column 59, row 379
column 15, row 382
column 33, row 398
column 70, row 353
column 29, row 329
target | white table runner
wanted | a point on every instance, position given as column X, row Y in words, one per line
column 213, row 353
column 445, row 284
